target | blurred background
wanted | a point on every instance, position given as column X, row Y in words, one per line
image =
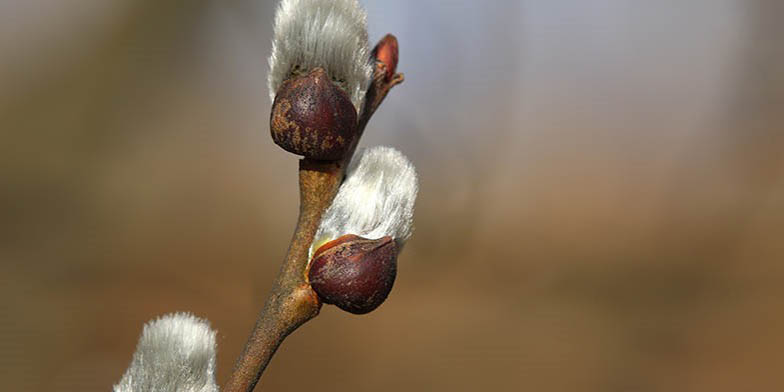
column 601, row 204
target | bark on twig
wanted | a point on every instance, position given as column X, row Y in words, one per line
column 292, row 301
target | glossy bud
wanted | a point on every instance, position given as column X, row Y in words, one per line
column 386, row 52
column 354, row 273
column 311, row 116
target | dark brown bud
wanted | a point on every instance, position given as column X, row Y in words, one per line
column 313, row 117
column 354, row 273
column 386, row 53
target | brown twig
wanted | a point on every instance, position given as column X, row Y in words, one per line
column 292, row 301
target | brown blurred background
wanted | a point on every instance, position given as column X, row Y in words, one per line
column 601, row 204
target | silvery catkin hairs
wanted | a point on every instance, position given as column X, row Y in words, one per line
column 176, row 353
column 322, row 33
column 375, row 200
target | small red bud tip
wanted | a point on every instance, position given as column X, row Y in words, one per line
column 386, row 53
column 313, row 117
column 354, row 273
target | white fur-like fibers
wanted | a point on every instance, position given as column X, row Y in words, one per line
column 175, row 353
column 331, row 34
column 375, row 200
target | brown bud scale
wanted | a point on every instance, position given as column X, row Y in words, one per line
column 313, row 117
column 386, row 52
column 354, row 273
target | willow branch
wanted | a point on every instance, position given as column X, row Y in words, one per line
column 292, row 301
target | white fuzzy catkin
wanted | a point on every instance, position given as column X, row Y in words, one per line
column 175, row 353
column 331, row 34
column 375, row 200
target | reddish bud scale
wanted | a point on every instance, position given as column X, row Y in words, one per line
column 386, row 52
column 313, row 117
column 354, row 273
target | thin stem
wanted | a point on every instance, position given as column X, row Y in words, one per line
column 379, row 88
column 377, row 92
column 292, row 301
